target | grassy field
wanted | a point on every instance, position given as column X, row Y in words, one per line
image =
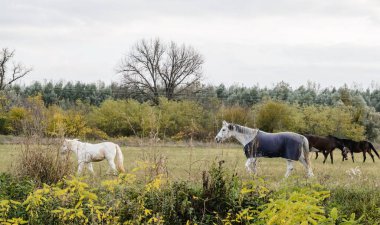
column 352, row 188
column 186, row 163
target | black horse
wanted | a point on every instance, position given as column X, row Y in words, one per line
column 360, row 146
column 325, row 145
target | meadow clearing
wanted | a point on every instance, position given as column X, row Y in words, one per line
column 187, row 163
column 175, row 191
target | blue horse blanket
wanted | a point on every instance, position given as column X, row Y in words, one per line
column 286, row 145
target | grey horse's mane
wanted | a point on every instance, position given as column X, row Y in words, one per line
column 242, row 129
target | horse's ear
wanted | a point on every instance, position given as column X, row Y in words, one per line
column 230, row 127
column 224, row 123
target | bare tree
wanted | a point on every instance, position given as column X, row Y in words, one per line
column 10, row 75
column 152, row 68
column 181, row 70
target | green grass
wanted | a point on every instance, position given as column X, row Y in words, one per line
column 349, row 193
column 188, row 163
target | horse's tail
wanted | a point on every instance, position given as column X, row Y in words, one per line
column 119, row 160
column 306, row 150
column 373, row 148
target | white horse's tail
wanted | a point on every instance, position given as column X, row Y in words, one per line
column 119, row 160
column 306, row 153
column 306, row 150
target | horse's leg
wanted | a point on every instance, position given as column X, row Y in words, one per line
column 370, row 153
column 112, row 165
column 307, row 166
column 325, row 155
column 254, row 163
column 289, row 167
column 364, row 156
column 90, row 168
column 352, row 156
column 80, row 167
column 249, row 163
column 331, row 157
column 316, row 155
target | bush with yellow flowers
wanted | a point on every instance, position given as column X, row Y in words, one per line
column 138, row 198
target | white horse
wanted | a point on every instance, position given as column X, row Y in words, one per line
column 288, row 145
column 87, row 153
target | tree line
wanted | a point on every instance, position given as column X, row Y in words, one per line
column 160, row 93
column 66, row 93
column 181, row 120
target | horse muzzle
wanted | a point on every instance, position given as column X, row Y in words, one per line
column 218, row 139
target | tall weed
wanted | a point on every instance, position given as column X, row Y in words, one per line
column 42, row 162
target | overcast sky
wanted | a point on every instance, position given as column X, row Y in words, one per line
column 243, row 42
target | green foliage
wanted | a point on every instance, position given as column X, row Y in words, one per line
column 323, row 120
column 123, row 117
column 180, row 118
column 222, row 198
column 16, row 115
column 357, row 201
column 299, row 207
column 69, row 123
column 75, row 124
column 56, row 122
column 12, row 188
column 7, row 207
column 94, row 111
column 277, row 116
column 34, row 120
column 236, row 114
column 4, row 121
column 4, row 128
column 186, row 119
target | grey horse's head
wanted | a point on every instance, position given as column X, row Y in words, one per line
column 225, row 132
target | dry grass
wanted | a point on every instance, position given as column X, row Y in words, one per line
column 40, row 162
column 188, row 163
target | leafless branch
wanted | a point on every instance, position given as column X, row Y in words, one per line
column 16, row 72
column 152, row 66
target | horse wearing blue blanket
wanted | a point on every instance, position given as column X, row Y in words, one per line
column 288, row 145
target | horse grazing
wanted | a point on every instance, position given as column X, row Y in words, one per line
column 288, row 145
column 326, row 145
column 87, row 153
column 360, row 146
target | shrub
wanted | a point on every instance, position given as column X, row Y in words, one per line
column 42, row 163
column 278, row 116
column 15, row 189
column 121, row 117
column 357, row 200
column 179, row 119
column 324, row 120
column 236, row 114
column 134, row 198
column 16, row 115
column 298, row 207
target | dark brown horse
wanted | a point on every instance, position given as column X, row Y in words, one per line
column 325, row 145
column 360, row 146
